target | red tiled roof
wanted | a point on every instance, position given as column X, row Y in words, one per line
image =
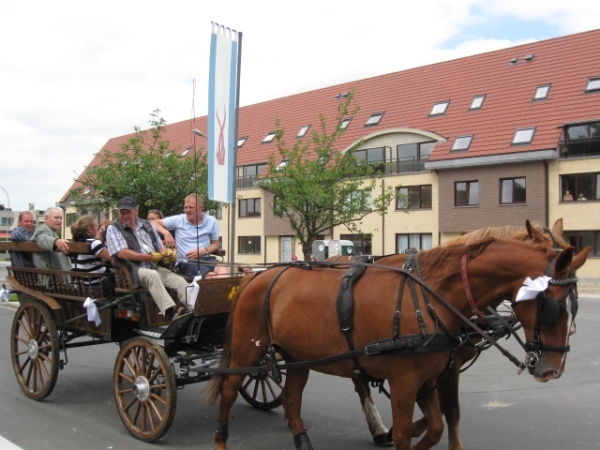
column 407, row 97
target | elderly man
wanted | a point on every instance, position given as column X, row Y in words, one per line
column 23, row 233
column 136, row 243
column 197, row 235
column 46, row 238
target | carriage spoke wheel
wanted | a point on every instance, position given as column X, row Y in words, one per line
column 145, row 389
column 262, row 391
column 34, row 349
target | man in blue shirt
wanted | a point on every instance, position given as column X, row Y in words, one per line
column 23, row 233
column 196, row 237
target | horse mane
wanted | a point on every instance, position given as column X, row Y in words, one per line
column 516, row 232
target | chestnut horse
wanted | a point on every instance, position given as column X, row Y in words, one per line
column 448, row 382
column 293, row 310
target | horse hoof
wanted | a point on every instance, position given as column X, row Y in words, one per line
column 383, row 440
column 302, row 442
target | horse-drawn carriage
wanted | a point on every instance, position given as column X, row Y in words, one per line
column 298, row 317
column 61, row 310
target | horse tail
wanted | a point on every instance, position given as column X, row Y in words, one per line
column 212, row 391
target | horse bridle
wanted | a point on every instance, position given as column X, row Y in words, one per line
column 548, row 315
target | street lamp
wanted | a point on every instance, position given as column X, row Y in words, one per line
column 197, row 132
column 7, row 209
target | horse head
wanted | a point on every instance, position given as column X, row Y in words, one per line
column 548, row 317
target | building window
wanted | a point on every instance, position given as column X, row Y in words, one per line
column 185, row 152
column 374, row 157
column 247, row 175
column 541, row 92
column 466, row 193
column 593, row 84
column 71, row 219
column 345, row 123
column 580, row 186
column 512, row 190
column 374, row 119
column 303, row 131
column 249, row 207
column 217, row 212
column 413, row 197
column 361, row 200
column 362, row 243
column 581, row 239
column 477, row 102
column 269, row 137
column 439, row 108
column 523, row 136
column 417, row 241
column 249, row 244
column 241, row 141
column 581, row 140
column 412, row 157
column 462, row 143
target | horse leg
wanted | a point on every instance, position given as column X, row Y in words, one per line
column 378, row 430
column 291, row 399
column 229, row 392
column 430, row 405
column 448, row 392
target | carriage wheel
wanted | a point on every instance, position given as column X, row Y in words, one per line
column 145, row 389
column 34, row 348
column 262, row 391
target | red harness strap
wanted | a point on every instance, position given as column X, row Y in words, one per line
column 463, row 271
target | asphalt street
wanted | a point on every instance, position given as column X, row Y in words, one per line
column 500, row 410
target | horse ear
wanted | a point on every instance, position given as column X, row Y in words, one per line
column 563, row 260
column 557, row 229
column 533, row 234
column 580, row 259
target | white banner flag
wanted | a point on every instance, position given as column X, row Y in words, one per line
column 222, row 112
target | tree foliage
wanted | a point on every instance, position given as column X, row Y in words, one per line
column 146, row 168
column 316, row 187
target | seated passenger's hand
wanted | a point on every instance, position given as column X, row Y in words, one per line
column 156, row 257
column 169, row 256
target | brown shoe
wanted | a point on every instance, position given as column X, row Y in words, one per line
column 181, row 311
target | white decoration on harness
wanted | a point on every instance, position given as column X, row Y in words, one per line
column 4, row 295
column 192, row 291
column 531, row 288
column 92, row 311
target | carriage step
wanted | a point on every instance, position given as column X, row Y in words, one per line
column 152, row 334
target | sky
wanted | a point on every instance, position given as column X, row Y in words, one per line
column 75, row 74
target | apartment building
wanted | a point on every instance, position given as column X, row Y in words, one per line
column 487, row 140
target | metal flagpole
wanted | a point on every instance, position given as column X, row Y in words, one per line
column 235, row 142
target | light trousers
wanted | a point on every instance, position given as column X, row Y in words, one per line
column 156, row 281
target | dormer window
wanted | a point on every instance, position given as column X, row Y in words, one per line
column 344, row 124
column 541, row 92
column 523, row 136
column 462, row 143
column 439, row 108
column 593, row 84
column 374, row 119
column 477, row 102
column 282, row 164
column 241, row 141
column 269, row 137
column 303, row 131
column 185, row 152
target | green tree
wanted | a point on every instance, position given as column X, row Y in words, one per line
column 316, row 187
column 147, row 169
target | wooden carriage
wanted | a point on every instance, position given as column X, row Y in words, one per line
column 156, row 356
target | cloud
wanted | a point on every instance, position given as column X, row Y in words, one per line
column 74, row 76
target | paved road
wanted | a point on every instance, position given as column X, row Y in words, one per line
column 500, row 409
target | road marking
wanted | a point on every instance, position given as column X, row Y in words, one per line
column 5, row 444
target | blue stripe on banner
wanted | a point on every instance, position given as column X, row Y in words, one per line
column 232, row 119
column 211, row 117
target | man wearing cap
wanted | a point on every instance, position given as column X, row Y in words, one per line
column 136, row 243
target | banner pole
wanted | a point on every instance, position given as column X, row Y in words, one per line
column 235, row 150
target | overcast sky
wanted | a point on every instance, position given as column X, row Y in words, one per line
column 74, row 74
